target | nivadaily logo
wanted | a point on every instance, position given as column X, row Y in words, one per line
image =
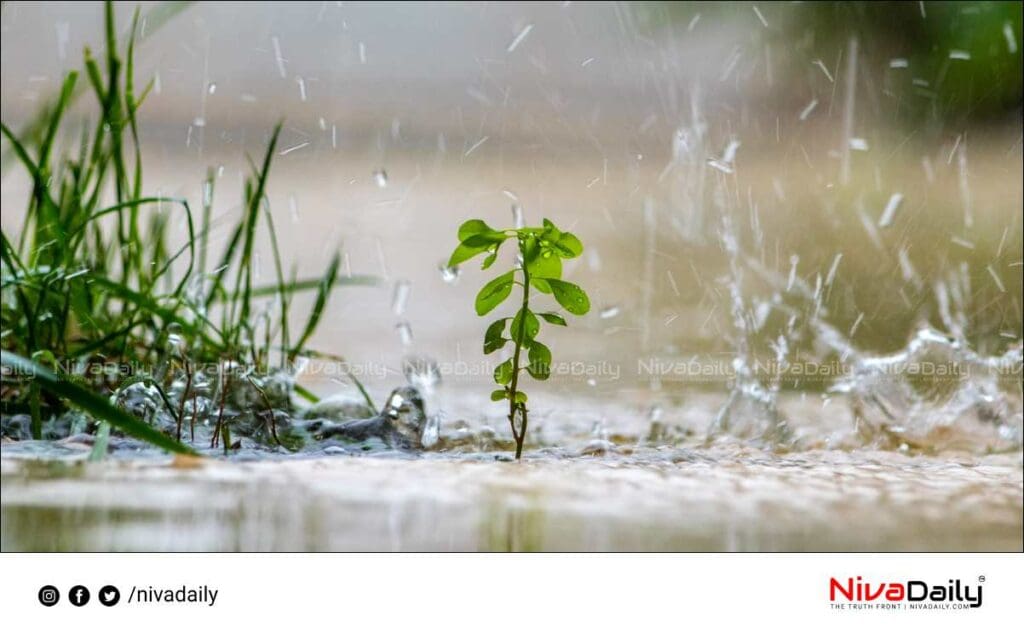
column 906, row 594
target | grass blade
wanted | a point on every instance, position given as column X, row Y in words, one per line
column 92, row 403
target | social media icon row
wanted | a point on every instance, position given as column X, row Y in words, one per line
column 79, row 595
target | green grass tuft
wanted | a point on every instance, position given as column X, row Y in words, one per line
column 97, row 275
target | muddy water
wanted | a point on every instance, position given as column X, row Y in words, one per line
column 595, row 479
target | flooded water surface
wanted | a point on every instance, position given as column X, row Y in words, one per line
column 804, row 259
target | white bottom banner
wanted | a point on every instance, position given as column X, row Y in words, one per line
column 456, row 592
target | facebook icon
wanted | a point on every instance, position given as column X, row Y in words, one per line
column 78, row 595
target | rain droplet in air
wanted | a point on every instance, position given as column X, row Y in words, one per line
column 519, row 38
column 517, row 215
column 404, row 333
column 400, row 296
column 610, row 312
column 449, row 274
column 859, row 144
column 381, row 178
column 895, row 200
column 212, row 88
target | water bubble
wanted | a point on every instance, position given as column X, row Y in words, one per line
column 211, row 88
column 400, row 296
column 381, row 178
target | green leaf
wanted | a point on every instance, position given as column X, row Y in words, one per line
column 503, row 372
column 551, row 234
column 530, row 327
column 530, row 248
column 493, row 339
column 568, row 246
column 547, row 265
column 570, row 296
column 540, row 361
column 91, row 403
column 489, row 260
column 485, row 239
column 473, row 227
column 521, row 397
column 498, row 395
column 553, row 317
column 496, row 291
column 463, row 252
column 475, row 244
column 323, row 293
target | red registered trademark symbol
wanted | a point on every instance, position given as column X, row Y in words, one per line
column 981, row 579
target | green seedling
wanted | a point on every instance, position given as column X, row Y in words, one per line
column 539, row 266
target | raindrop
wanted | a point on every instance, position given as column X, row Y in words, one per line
column 610, row 312
column 175, row 340
column 381, row 178
column 654, row 413
column 292, row 149
column 517, row 215
column 859, row 144
column 806, row 112
column 278, row 57
column 1011, row 39
column 895, row 200
column 449, row 274
column 519, row 38
column 404, row 333
column 212, row 88
column 400, row 296
column 207, row 193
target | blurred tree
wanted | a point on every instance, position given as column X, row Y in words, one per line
column 963, row 59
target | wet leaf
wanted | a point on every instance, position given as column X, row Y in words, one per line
column 568, row 246
column 553, row 317
column 473, row 227
column 489, row 259
column 493, row 339
column 547, row 265
column 503, row 372
column 540, row 361
column 570, row 296
column 530, row 327
column 475, row 244
column 496, row 291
